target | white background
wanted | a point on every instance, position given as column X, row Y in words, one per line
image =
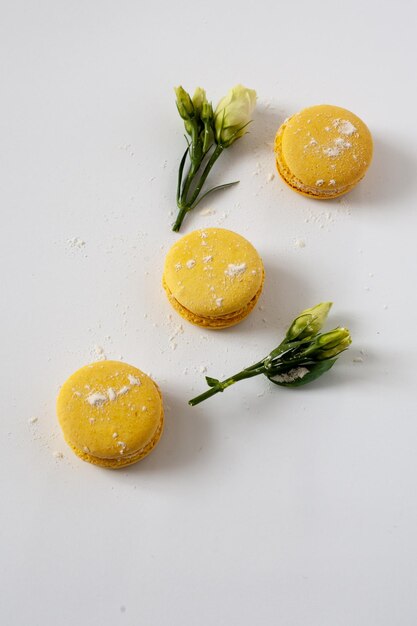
column 263, row 505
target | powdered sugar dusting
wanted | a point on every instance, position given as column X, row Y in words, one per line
column 293, row 375
column 235, row 269
column 344, row 127
column 76, row 242
column 96, row 399
column 339, row 146
column 111, row 394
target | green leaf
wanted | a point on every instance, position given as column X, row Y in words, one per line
column 212, row 382
column 314, row 371
column 224, row 186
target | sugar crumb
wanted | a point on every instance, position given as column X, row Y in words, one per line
column 235, row 269
column 97, row 398
column 76, row 242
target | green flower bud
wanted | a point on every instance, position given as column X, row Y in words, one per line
column 199, row 99
column 331, row 344
column 309, row 322
column 184, row 104
column 233, row 114
column 207, row 119
column 207, row 112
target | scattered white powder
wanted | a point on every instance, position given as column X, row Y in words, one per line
column 178, row 331
column 111, row 394
column 208, row 258
column 190, row 264
column 144, row 408
column 99, row 353
column 344, row 127
column 178, row 267
column 203, row 369
column 95, row 399
column 57, row 455
column 203, row 234
column 292, row 375
column 339, row 146
column 33, row 420
column 235, row 270
column 76, row 242
column 207, row 212
column 319, row 182
column 299, row 243
column 358, row 359
column 270, row 177
column 332, row 181
column 77, row 394
column 86, row 449
column 115, row 435
column 92, row 420
column 331, row 152
column 342, row 143
column 219, row 301
column 133, row 380
column 123, row 390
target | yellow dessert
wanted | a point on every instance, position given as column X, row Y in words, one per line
column 111, row 413
column 323, row 151
column 213, row 277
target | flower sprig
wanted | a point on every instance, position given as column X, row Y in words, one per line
column 303, row 355
column 209, row 133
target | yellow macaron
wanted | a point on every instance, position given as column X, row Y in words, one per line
column 213, row 277
column 111, row 413
column 323, row 151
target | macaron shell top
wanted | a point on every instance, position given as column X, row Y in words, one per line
column 109, row 410
column 213, row 272
column 327, row 148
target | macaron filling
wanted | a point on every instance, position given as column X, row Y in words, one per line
column 219, row 321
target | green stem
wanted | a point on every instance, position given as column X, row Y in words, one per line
column 246, row 373
column 180, row 217
column 217, row 152
column 180, row 171
column 183, row 205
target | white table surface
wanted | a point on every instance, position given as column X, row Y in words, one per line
column 263, row 505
